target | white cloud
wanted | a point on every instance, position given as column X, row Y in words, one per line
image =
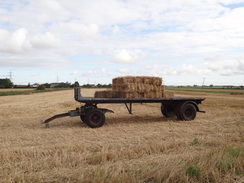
column 14, row 42
column 45, row 41
column 116, row 29
column 128, row 56
column 226, row 66
column 96, row 73
column 53, row 5
column 81, row 30
column 74, row 73
column 34, row 74
column 124, row 71
column 20, row 41
column 48, row 61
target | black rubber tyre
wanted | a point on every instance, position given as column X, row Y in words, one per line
column 94, row 118
column 168, row 111
column 177, row 112
column 187, row 112
column 83, row 114
column 82, row 117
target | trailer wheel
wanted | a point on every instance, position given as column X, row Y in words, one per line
column 167, row 110
column 83, row 114
column 94, row 118
column 82, row 117
column 187, row 112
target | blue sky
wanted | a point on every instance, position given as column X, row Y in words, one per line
column 94, row 41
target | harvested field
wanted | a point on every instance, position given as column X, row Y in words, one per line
column 143, row 147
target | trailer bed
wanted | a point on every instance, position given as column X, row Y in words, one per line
column 91, row 100
column 135, row 100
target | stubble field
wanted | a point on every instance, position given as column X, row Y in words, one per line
column 143, row 147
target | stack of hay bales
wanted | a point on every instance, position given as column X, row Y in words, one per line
column 135, row 87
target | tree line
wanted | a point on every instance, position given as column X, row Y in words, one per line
column 6, row 83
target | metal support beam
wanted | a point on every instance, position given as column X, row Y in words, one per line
column 129, row 108
column 71, row 113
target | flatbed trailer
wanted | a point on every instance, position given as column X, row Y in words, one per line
column 185, row 109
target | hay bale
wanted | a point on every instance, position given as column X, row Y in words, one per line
column 128, row 79
column 140, row 87
column 131, row 87
column 112, row 94
column 106, row 94
column 138, row 79
column 147, row 88
column 116, row 81
column 153, row 94
column 168, row 94
column 116, row 87
column 163, row 87
column 99, row 94
column 127, row 94
column 158, row 94
column 157, row 81
column 141, row 95
column 156, row 88
column 123, row 80
column 147, row 80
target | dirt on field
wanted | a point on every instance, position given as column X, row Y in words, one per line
column 143, row 147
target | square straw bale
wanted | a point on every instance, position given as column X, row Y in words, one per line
column 138, row 79
column 163, row 87
column 126, row 79
column 156, row 88
column 106, row 94
column 168, row 94
column 157, row 81
column 132, row 87
column 123, row 94
column 123, row 80
column 147, row 88
column 112, row 94
column 147, row 80
column 116, row 87
column 140, row 87
column 158, row 94
column 99, row 94
column 118, row 81
column 147, row 95
column 141, row 95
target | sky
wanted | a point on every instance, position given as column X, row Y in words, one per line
column 186, row 42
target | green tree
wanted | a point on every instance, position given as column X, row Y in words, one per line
column 63, row 85
column 41, row 87
column 76, row 84
column 47, row 85
column 87, row 86
column 6, row 83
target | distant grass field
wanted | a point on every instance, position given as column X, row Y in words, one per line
column 207, row 90
column 6, row 92
column 217, row 90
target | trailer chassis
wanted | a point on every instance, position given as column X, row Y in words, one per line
column 184, row 109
